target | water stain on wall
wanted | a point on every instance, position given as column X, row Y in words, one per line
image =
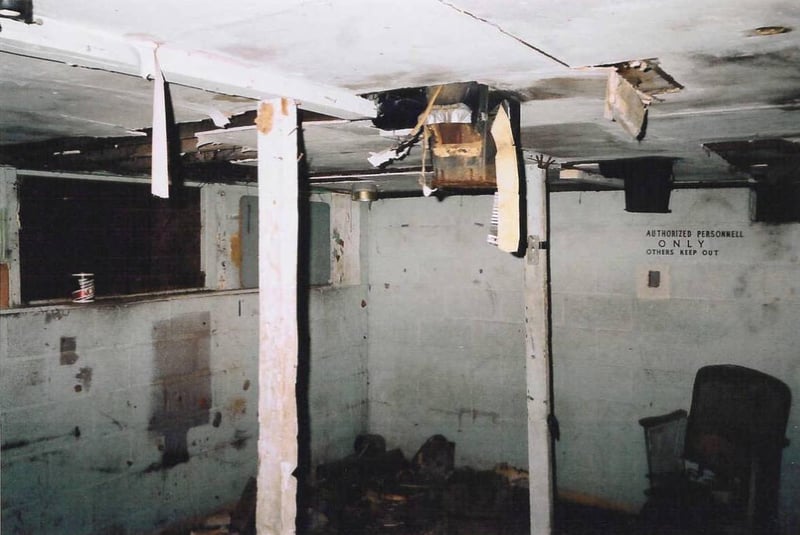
column 236, row 407
column 84, row 377
column 236, row 250
column 51, row 315
column 182, row 348
column 68, row 354
column 240, row 439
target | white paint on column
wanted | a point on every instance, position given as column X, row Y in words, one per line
column 278, row 338
column 537, row 354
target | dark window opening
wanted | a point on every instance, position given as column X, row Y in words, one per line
column 131, row 241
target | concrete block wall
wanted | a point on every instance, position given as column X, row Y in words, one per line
column 446, row 341
column 117, row 418
column 337, row 325
column 623, row 351
column 338, row 370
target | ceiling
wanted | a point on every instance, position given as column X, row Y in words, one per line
column 81, row 70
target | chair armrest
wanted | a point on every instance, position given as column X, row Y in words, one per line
column 653, row 421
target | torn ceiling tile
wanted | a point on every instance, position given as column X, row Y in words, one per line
column 399, row 109
column 507, row 177
column 329, row 146
column 626, row 106
column 631, row 88
column 646, row 76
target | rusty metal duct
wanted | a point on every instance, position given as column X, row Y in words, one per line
column 462, row 149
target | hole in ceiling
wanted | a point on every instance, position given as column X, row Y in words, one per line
column 646, row 76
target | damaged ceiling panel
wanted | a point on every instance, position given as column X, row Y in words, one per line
column 49, row 99
column 587, row 32
column 330, row 146
column 395, row 44
column 739, row 80
column 647, row 76
column 632, row 87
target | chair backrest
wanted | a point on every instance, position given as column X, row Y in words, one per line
column 736, row 428
column 737, row 413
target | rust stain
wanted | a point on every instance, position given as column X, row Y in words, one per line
column 455, row 134
column 459, row 149
column 236, row 250
column 285, row 106
column 236, row 407
column 4, row 286
column 265, row 117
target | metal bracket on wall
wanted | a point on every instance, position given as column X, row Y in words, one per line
column 534, row 246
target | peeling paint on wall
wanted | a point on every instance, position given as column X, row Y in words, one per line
column 182, row 347
column 264, row 119
column 68, row 354
column 84, row 377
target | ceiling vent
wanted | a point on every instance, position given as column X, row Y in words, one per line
column 648, row 182
column 774, row 165
column 21, row 10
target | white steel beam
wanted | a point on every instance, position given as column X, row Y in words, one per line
column 73, row 45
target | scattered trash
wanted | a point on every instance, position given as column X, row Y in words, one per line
column 375, row 491
column 436, row 458
column 243, row 517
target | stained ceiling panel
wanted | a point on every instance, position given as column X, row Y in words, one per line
column 738, row 84
column 45, row 99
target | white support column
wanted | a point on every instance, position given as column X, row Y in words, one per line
column 537, row 352
column 9, row 233
column 278, row 340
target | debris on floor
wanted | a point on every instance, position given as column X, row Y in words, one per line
column 217, row 524
column 375, row 491
column 239, row 520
